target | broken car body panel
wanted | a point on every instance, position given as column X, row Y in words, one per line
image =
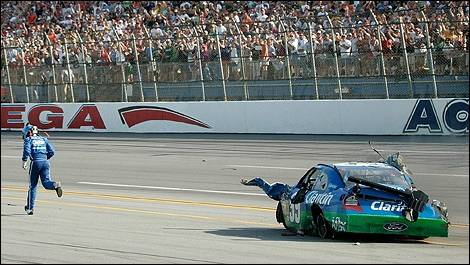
column 357, row 197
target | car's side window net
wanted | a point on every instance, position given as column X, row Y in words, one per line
column 321, row 181
column 313, row 179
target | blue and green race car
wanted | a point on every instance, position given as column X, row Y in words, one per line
column 357, row 197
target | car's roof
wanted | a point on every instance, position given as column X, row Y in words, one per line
column 362, row 165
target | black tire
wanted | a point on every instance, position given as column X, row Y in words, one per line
column 324, row 229
column 280, row 215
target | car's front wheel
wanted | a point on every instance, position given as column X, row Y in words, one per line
column 324, row 229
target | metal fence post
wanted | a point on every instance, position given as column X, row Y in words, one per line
column 136, row 55
column 221, row 66
column 154, row 67
column 8, row 74
column 54, row 80
column 24, row 73
column 70, row 81
column 402, row 38
column 314, row 68
column 336, row 58
column 84, row 67
column 379, row 37
column 200, row 65
column 429, row 52
column 286, row 47
column 123, row 72
column 242, row 59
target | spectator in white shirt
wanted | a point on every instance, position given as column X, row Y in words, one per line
column 354, row 54
column 156, row 32
column 262, row 15
column 220, row 29
column 345, row 49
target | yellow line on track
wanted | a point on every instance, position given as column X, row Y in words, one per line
column 146, row 199
column 110, row 196
column 208, row 218
column 229, row 220
column 443, row 243
column 459, row 225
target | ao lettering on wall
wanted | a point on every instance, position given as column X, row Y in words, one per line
column 424, row 116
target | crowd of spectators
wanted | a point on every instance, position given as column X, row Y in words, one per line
column 176, row 34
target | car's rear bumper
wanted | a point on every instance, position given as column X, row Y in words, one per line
column 391, row 225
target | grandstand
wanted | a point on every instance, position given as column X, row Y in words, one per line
column 147, row 51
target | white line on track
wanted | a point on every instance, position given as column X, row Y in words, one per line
column 270, row 167
column 435, row 174
column 421, row 151
column 168, row 188
column 305, row 169
column 288, row 168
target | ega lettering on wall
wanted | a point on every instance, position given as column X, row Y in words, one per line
column 49, row 116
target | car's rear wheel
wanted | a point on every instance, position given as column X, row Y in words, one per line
column 324, row 229
column 280, row 215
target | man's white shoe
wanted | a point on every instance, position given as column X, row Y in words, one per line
column 28, row 211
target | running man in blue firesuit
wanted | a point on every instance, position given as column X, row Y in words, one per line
column 39, row 151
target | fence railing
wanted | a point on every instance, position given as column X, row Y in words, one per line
column 294, row 59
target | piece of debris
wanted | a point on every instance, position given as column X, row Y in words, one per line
column 288, row 233
column 357, row 244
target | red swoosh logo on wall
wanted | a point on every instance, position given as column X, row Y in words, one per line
column 138, row 114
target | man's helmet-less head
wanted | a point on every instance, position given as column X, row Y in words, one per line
column 29, row 130
column 34, row 130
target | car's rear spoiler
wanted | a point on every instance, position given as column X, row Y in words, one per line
column 414, row 199
column 376, row 185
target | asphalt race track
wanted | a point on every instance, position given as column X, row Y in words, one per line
column 161, row 198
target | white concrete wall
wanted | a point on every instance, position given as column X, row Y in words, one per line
column 358, row 117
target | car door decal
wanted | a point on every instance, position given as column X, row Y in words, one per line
column 294, row 213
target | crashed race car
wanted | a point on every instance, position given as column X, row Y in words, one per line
column 357, row 197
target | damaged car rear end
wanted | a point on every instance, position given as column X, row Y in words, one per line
column 357, row 197
column 380, row 199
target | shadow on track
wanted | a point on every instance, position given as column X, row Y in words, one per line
column 274, row 234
